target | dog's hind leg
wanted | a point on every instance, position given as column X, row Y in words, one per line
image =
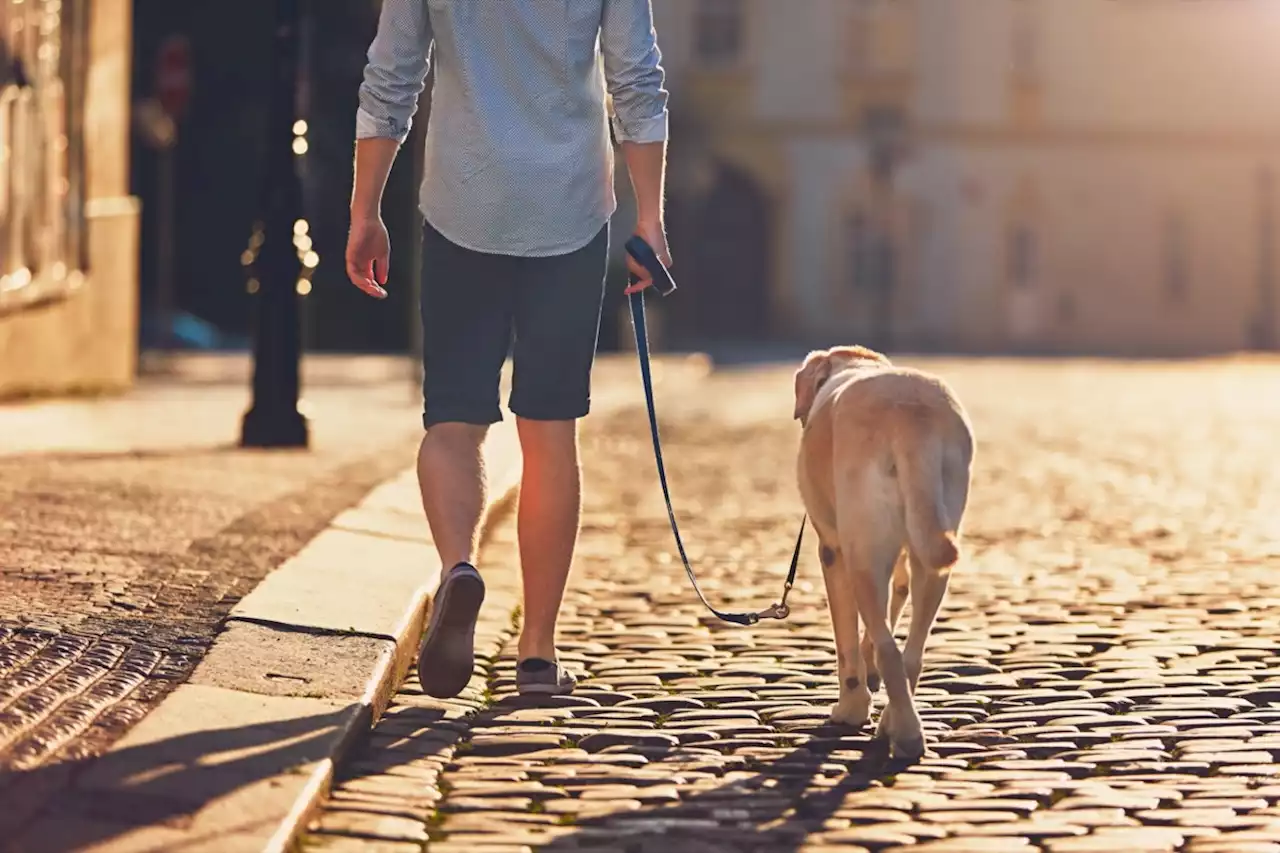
column 901, row 586
column 928, row 588
column 929, row 582
column 854, row 705
column 898, row 600
column 871, row 552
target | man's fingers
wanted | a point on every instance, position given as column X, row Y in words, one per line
column 353, row 272
column 640, row 277
column 358, row 268
column 381, row 267
column 636, row 268
column 363, row 279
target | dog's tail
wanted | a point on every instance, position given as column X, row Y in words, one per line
column 919, row 462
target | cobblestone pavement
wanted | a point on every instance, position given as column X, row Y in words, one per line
column 129, row 527
column 1105, row 674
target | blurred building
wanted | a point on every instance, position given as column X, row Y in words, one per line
column 68, row 227
column 992, row 175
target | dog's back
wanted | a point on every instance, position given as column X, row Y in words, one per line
column 891, row 449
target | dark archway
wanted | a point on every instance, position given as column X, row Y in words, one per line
column 721, row 241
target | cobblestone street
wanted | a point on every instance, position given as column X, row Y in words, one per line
column 1104, row 675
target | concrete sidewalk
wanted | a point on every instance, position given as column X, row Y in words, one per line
column 138, row 530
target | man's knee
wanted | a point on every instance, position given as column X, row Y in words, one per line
column 548, row 438
column 454, row 436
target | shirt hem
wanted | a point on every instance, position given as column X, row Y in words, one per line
column 540, row 251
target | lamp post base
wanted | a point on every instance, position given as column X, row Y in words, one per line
column 274, row 426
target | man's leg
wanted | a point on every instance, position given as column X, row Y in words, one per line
column 467, row 326
column 547, row 526
column 557, row 321
column 452, row 479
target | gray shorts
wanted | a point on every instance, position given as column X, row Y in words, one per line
column 479, row 308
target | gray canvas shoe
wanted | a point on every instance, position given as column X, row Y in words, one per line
column 541, row 676
column 447, row 656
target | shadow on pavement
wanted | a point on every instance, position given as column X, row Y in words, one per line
column 776, row 808
column 192, row 790
column 162, row 785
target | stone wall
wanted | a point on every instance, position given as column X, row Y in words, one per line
column 86, row 341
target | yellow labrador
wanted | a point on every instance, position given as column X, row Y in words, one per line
column 884, row 473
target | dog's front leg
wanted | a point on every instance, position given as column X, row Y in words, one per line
column 854, row 705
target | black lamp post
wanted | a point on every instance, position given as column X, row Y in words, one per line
column 273, row 419
column 886, row 134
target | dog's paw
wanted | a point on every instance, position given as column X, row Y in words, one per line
column 907, row 749
column 849, row 714
column 902, row 732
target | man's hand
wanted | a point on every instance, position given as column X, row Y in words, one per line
column 368, row 255
column 654, row 234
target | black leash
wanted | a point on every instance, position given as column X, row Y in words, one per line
column 664, row 284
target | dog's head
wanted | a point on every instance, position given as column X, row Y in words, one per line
column 819, row 366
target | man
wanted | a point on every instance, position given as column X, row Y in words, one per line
column 517, row 195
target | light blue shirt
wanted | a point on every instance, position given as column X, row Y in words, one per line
column 518, row 157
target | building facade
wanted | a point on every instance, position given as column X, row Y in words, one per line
column 68, row 226
column 992, row 176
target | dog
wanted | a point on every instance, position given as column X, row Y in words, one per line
column 884, row 472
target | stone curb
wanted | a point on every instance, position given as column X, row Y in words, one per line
column 239, row 756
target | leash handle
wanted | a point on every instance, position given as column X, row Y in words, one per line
column 639, row 248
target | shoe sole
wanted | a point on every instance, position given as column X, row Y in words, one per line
column 544, row 689
column 447, row 658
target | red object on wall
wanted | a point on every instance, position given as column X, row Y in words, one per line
column 173, row 74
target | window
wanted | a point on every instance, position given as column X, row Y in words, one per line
column 1066, row 307
column 870, row 255
column 1176, row 258
column 719, row 30
column 42, row 54
column 861, row 36
column 1021, row 257
column 1025, row 46
column 859, row 248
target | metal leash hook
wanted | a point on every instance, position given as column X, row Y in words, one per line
column 777, row 611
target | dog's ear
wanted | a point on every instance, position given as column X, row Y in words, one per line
column 809, row 378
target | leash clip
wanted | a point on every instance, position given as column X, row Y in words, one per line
column 781, row 610
column 775, row 611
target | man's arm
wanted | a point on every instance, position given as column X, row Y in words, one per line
column 393, row 81
column 634, row 77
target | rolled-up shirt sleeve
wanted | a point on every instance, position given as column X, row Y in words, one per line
column 396, row 71
column 633, row 71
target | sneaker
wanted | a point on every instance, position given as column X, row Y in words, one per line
column 541, row 676
column 447, row 656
